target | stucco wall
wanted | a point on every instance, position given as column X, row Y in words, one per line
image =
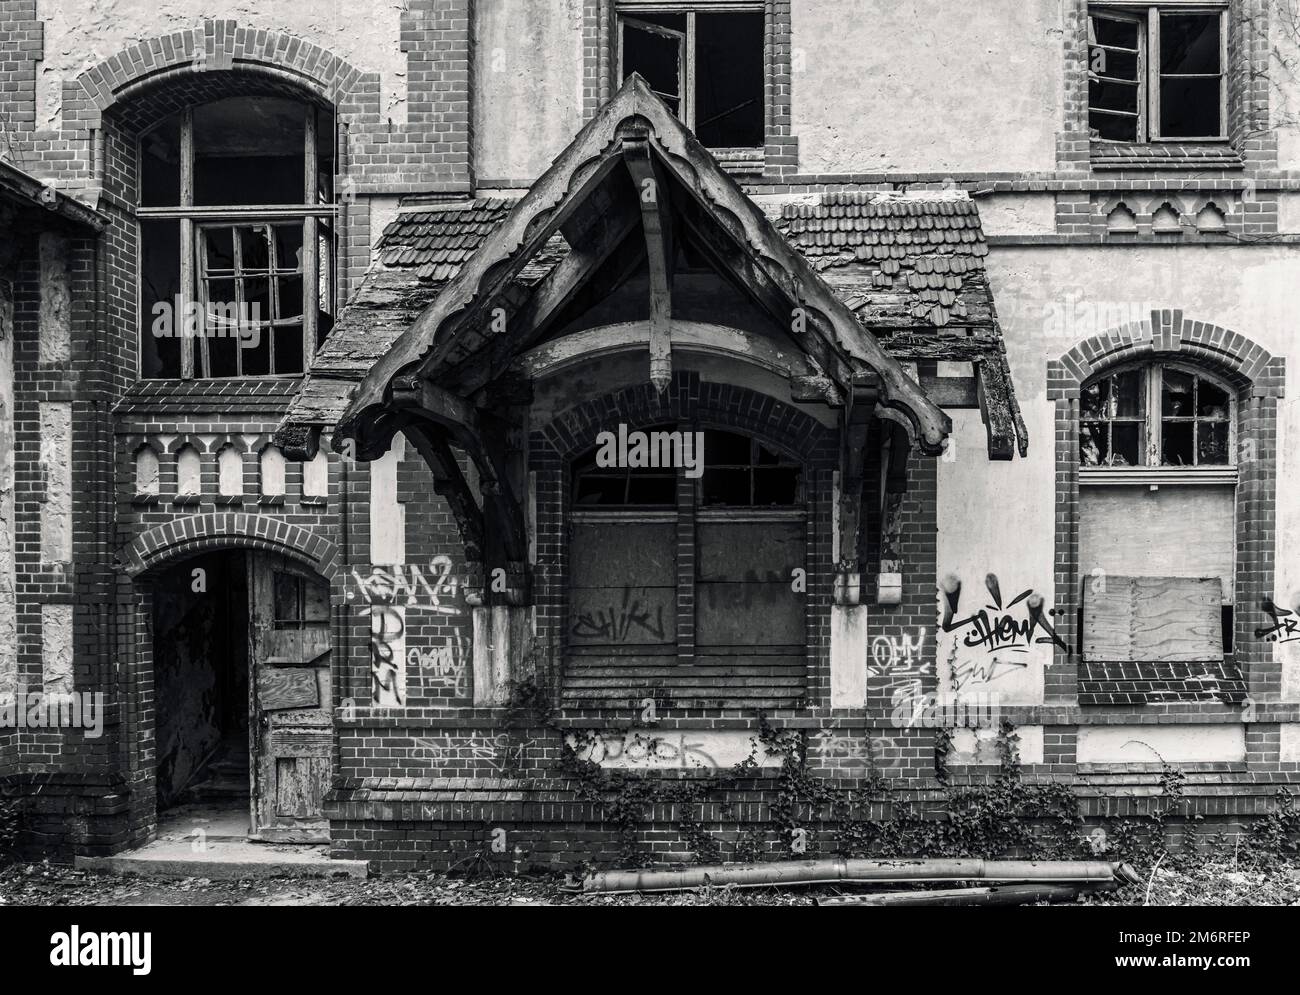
column 528, row 85
column 79, row 35
column 905, row 86
column 999, row 517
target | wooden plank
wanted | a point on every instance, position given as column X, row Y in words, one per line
column 1153, row 619
column 1177, row 619
column 1170, row 532
column 300, row 786
column 1108, row 620
column 287, row 687
column 283, row 646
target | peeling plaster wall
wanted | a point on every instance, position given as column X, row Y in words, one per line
column 942, row 60
column 1049, row 299
column 1284, row 72
column 79, row 35
column 527, row 85
column 989, row 522
column 1174, row 744
column 56, row 473
column 56, row 648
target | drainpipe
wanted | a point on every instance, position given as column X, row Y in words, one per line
column 836, row 870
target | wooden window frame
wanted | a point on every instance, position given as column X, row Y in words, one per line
column 311, row 212
column 1152, row 471
column 1147, row 16
column 627, row 11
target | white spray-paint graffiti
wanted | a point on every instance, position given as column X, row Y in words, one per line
column 387, row 593
column 859, row 749
column 501, row 752
column 443, row 666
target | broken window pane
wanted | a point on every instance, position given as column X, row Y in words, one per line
column 1189, row 107
column 729, row 79
column 1212, row 443
column 1212, row 402
column 162, row 323
column 1126, row 394
column 1189, row 43
column 1126, row 444
column 1113, row 32
column 160, row 165
column 1176, row 394
column 657, row 53
column 1176, row 444
column 249, row 150
column 1093, row 446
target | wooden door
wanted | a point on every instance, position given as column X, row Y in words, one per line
column 290, row 735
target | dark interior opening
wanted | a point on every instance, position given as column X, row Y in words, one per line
column 200, row 652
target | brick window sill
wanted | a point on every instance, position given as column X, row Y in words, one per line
column 187, row 500
column 1164, row 155
column 144, row 500
column 271, row 501
column 741, row 162
column 313, row 502
column 229, row 500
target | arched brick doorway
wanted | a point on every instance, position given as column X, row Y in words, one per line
column 230, row 695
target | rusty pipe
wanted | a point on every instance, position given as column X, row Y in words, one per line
column 836, row 870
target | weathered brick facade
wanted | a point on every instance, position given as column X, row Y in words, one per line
column 424, row 778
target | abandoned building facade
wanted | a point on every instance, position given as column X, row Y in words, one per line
column 400, row 401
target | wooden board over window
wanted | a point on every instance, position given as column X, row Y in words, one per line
column 1143, row 619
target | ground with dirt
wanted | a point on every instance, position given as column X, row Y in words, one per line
column 1187, row 882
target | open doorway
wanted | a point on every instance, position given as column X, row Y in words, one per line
column 201, row 673
column 242, row 691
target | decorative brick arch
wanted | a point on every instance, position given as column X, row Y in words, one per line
column 194, row 55
column 691, row 402
column 1259, row 379
column 1246, row 364
column 718, row 405
column 184, row 537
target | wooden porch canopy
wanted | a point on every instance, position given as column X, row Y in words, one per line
column 438, row 370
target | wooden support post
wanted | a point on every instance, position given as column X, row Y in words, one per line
column 656, row 221
column 189, row 292
column 310, row 245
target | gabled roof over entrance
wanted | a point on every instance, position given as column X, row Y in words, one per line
column 633, row 173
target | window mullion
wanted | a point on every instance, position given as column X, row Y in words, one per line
column 310, row 248
column 688, row 73
column 187, row 288
column 1154, row 389
column 1153, row 71
column 273, row 295
column 239, row 294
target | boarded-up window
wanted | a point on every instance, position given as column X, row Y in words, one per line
column 1175, row 531
column 642, row 620
column 1144, row 619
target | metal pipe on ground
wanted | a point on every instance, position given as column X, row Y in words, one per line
column 1010, row 894
column 837, row 870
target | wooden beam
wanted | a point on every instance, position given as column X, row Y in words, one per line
column 535, row 317
column 449, row 483
column 995, row 408
column 727, row 256
column 656, row 223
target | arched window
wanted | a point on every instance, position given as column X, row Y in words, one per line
column 1157, row 514
column 1157, row 414
column 684, row 546
column 236, row 238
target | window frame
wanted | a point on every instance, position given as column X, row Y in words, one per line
column 1152, row 471
column 625, row 10
column 314, row 213
column 1147, row 16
